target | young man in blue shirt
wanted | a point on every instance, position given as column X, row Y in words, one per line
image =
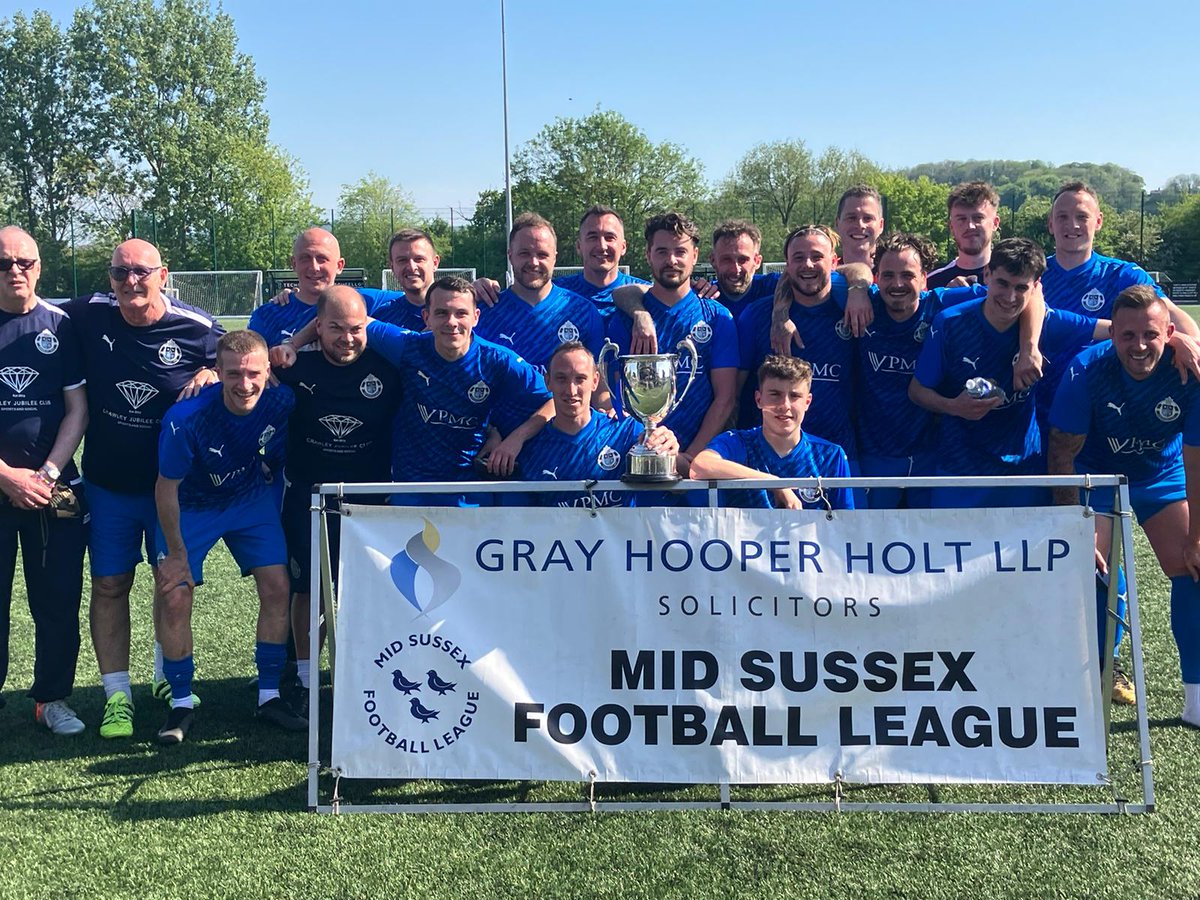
column 216, row 455
column 779, row 448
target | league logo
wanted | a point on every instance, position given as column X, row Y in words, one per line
column 701, row 332
column 370, row 387
column 1167, row 410
column 169, row 354
column 1092, row 300
column 267, row 434
column 842, row 331
column 440, row 579
column 136, row 393
column 46, row 342
column 478, row 392
column 339, row 426
column 18, row 378
column 567, row 332
column 608, row 459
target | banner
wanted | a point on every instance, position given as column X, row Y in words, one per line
column 708, row 645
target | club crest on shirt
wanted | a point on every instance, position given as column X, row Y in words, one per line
column 478, row 392
column 608, row 459
column 267, row 434
column 46, row 342
column 567, row 332
column 1092, row 300
column 842, row 330
column 1167, row 410
column 701, row 332
column 169, row 353
column 370, row 387
column 921, row 332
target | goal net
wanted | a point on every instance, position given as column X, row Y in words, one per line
column 390, row 283
column 769, row 267
column 228, row 293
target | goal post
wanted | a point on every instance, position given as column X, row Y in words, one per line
column 220, row 293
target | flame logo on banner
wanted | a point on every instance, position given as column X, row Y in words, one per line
column 420, row 553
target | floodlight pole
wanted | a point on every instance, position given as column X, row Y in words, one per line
column 508, row 215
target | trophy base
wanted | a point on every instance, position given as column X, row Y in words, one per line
column 649, row 468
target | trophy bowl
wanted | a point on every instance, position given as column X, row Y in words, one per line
column 648, row 386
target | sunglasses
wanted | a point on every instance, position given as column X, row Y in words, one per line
column 23, row 264
column 139, row 273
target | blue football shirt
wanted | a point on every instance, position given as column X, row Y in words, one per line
column 597, row 452
column 218, row 456
column 443, row 421
column 1134, row 428
column 601, row 297
column 812, row 457
column 962, row 344
column 278, row 322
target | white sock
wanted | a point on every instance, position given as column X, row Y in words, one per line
column 183, row 704
column 264, row 696
column 1191, row 700
column 114, row 682
column 158, row 668
column 304, row 672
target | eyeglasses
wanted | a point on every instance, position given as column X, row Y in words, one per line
column 23, row 264
column 139, row 273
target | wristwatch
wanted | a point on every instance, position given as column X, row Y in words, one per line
column 50, row 470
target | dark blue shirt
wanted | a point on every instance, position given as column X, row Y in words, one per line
column 39, row 359
column 597, row 452
column 812, row 457
column 134, row 374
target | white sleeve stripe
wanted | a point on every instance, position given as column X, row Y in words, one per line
column 78, row 384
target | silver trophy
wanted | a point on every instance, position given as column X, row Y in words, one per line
column 648, row 383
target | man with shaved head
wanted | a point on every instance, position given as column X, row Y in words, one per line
column 340, row 430
column 141, row 351
column 43, row 411
column 317, row 261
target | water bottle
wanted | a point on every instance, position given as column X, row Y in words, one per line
column 982, row 388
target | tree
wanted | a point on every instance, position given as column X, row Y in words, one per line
column 917, row 206
column 1179, row 252
column 777, row 176
column 369, row 211
column 603, row 158
column 182, row 110
column 48, row 144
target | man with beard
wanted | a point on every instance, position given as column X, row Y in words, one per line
column 672, row 249
column 534, row 316
column 973, row 220
column 805, row 292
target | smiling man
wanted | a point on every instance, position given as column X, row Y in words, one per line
column 1123, row 410
column 859, row 224
column 414, row 263
column 142, row 350
column 535, row 316
column 779, row 448
column 995, row 434
column 972, row 208
column 216, row 454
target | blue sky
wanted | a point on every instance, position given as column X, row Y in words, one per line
column 412, row 90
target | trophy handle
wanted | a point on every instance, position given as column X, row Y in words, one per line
column 608, row 349
column 686, row 344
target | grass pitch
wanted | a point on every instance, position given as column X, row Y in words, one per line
column 223, row 814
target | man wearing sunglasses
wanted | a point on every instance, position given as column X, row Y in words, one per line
column 142, row 350
column 43, row 411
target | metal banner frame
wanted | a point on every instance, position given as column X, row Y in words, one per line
column 321, row 587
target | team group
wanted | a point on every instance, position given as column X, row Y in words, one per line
column 860, row 358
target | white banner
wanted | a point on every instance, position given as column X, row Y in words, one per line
column 708, row 645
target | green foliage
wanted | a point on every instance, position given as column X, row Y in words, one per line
column 917, row 206
column 369, row 212
column 49, row 144
column 1179, row 252
column 1018, row 180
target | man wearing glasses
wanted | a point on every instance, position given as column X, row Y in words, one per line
column 43, row 411
column 142, row 350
